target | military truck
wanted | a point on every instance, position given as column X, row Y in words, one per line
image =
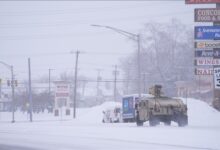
column 160, row 108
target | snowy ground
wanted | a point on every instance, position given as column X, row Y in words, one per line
column 88, row 133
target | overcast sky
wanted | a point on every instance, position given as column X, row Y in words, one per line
column 47, row 32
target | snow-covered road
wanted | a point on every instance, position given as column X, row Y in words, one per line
column 73, row 135
column 88, row 133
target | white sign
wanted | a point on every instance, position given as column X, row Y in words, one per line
column 217, row 78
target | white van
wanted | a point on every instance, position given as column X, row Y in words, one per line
column 113, row 115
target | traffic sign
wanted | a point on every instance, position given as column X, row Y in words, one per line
column 207, row 15
column 217, row 77
column 201, row 1
column 207, row 32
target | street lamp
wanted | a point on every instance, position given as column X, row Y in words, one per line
column 135, row 37
column 12, row 89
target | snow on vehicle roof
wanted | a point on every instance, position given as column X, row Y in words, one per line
column 137, row 95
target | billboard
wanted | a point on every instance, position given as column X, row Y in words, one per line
column 208, row 53
column 207, row 44
column 217, row 77
column 201, row 1
column 207, row 62
column 207, row 32
column 204, row 71
column 207, row 15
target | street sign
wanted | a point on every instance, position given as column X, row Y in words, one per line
column 201, row 1
column 208, row 53
column 207, row 15
column 207, row 32
column 207, row 62
column 204, row 71
column 217, row 77
column 207, row 44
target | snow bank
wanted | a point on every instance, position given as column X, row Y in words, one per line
column 95, row 114
column 201, row 114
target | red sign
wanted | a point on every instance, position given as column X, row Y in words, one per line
column 62, row 94
column 201, row 1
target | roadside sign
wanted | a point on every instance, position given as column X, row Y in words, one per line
column 207, row 32
column 207, row 44
column 207, row 15
column 207, row 62
column 203, row 71
column 201, row 1
column 217, row 77
column 208, row 53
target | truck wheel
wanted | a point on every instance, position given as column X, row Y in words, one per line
column 153, row 121
column 138, row 121
column 167, row 122
column 182, row 121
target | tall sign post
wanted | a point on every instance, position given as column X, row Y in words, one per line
column 216, row 100
column 207, row 45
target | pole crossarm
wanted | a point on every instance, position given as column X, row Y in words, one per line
column 120, row 31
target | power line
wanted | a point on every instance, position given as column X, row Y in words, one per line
column 84, row 22
column 76, row 11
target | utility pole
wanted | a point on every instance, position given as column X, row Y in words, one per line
column 115, row 82
column 144, row 88
column 97, row 85
column 139, row 67
column 30, row 91
column 75, row 85
column 49, row 83
column 49, row 90
column 13, row 94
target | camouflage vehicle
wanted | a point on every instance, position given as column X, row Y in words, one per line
column 159, row 108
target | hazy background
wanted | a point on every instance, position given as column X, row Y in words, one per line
column 48, row 31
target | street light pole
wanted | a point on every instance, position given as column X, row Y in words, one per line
column 12, row 89
column 135, row 37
